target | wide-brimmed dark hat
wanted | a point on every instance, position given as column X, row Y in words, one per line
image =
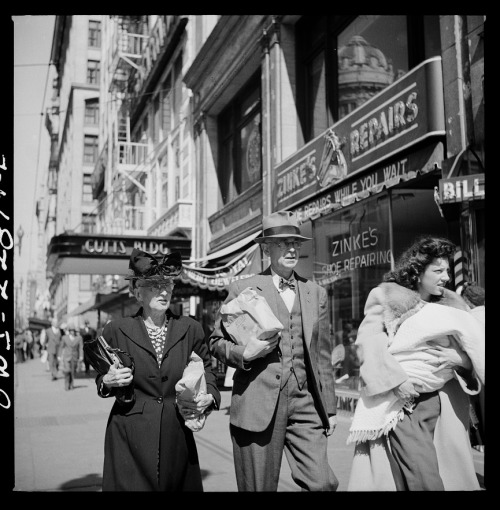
column 281, row 224
column 144, row 266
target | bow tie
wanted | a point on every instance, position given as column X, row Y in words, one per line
column 287, row 283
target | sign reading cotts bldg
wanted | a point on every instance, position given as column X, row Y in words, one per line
column 402, row 115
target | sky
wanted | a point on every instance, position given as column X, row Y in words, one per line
column 32, row 92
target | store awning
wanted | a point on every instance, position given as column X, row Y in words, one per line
column 96, row 302
column 38, row 324
column 245, row 263
column 71, row 253
column 84, row 307
column 402, row 169
column 233, row 248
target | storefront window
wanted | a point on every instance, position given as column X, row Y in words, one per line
column 240, row 163
column 414, row 213
column 343, row 61
column 352, row 253
column 372, row 54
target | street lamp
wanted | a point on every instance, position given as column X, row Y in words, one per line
column 20, row 234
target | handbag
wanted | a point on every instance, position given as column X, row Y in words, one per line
column 101, row 356
column 44, row 356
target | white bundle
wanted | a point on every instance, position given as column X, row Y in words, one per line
column 249, row 317
column 191, row 385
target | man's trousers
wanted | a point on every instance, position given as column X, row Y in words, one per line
column 295, row 427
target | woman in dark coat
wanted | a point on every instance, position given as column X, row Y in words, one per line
column 147, row 445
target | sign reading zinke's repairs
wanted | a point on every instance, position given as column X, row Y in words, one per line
column 402, row 115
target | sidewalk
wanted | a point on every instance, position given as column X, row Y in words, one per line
column 59, row 438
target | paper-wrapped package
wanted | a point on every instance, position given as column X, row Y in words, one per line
column 190, row 386
column 249, row 317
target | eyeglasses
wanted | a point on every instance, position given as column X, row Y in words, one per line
column 282, row 245
column 157, row 287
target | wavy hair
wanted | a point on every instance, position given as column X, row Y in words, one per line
column 414, row 260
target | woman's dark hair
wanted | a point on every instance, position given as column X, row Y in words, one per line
column 413, row 261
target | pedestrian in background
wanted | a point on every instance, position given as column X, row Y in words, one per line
column 71, row 354
column 28, row 344
column 283, row 396
column 474, row 296
column 88, row 334
column 19, row 342
column 350, row 363
column 51, row 340
column 147, row 445
column 410, row 424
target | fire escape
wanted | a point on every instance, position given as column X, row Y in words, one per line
column 122, row 176
column 120, row 172
column 52, row 126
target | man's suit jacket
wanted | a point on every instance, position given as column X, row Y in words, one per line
column 53, row 341
column 71, row 350
column 256, row 389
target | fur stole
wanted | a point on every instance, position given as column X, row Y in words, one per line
column 401, row 303
column 376, row 415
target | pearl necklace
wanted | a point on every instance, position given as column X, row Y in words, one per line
column 158, row 337
column 156, row 330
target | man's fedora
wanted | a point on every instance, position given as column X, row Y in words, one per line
column 281, row 224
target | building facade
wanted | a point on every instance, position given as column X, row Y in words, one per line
column 65, row 202
column 140, row 185
column 370, row 128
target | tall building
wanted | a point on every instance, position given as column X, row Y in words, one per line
column 141, row 182
column 66, row 203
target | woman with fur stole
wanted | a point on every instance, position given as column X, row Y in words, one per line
column 421, row 354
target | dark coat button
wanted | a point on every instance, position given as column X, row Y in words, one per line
column 159, row 400
column 164, row 378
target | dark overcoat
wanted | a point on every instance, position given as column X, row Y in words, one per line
column 147, row 446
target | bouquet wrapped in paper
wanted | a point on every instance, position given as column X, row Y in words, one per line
column 248, row 317
column 189, row 387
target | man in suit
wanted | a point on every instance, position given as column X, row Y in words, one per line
column 51, row 339
column 88, row 334
column 283, row 394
